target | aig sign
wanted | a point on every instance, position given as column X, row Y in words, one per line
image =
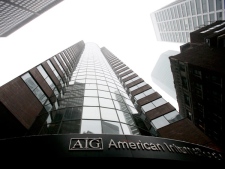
column 86, row 144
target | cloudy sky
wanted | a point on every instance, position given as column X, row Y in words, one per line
column 122, row 26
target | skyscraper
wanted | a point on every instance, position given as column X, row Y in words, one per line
column 16, row 13
column 199, row 73
column 174, row 22
column 84, row 98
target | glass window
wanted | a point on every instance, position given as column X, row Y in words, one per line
column 212, row 17
column 188, row 9
column 129, row 130
column 218, row 4
column 104, row 94
column 219, row 15
column 70, row 127
column 205, row 19
column 91, row 113
column 132, row 110
column 91, row 127
column 127, row 101
column 179, row 11
column 194, row 23
column 198, row 6
column 90, row 86
column 139, row 96
column 117, row 97
column 193, row 8
column 114, row 90
column 183, row 9
column 173, row 116
column 111, row 128
column 190, row 24
column 90, row 93
column 211, row 5
column 120, row 106
column 102, row 87
column 204, row 6
column 29, row 81
column 106, row 103
column 73, row 113
column 109, row 114
column 90, row 81
column 125, row 117
column 101, row 82
column 182, row 24
column 200, row 20
column 90, row 101
column 111, row 84
column 159, row 122
column 147, row 107
column 159, row 102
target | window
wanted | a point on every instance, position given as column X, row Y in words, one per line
column 211, row 5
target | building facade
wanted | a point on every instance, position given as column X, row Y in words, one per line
column 198, row 73
column 174, row 22
column 84, row 98
column 16, row 13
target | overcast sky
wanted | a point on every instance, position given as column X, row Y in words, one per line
column 122, row 26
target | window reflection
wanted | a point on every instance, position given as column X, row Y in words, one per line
column 91, row 113
column 90, row 101
column 109, row 114
column 111, row 128
column 91, row 127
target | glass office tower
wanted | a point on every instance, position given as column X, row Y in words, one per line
column 16, row 13
column 93, row 102
column 84, row 98
column 175, row 21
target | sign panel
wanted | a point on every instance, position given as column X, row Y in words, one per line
column 103, row 145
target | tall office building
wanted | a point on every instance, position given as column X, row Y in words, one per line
column 174, row 22
column 199, row 73
column 162, row 74
column 16, row 13
column 84, row 102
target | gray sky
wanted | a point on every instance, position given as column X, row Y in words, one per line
column 122, row 26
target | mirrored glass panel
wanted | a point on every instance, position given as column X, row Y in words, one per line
column 91, row 127
column 109, row 114
column 104, row 94
column 159, row 102
column 91, row 113
column 90, row 93
column 111, row 128
column 106, row 103
column 159, row 122
column 91, row 101
column 90, row 86
column 173, row 116
column 147, row 107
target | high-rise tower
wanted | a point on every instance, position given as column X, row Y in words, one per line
column 84, row 98
column 16, row 13
column 175, row 21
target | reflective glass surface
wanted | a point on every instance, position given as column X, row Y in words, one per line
column 94, row 100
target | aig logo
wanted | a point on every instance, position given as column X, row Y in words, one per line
column 86, row 144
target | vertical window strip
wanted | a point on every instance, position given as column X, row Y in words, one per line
column 60, row 67
column 37, row 91
column 56, row 73
column 48, row 80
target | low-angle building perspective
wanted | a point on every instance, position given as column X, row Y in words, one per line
column 198, row 73
column 88, row 103
column 16, row 13
column 175, row 21
column 84, row 102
